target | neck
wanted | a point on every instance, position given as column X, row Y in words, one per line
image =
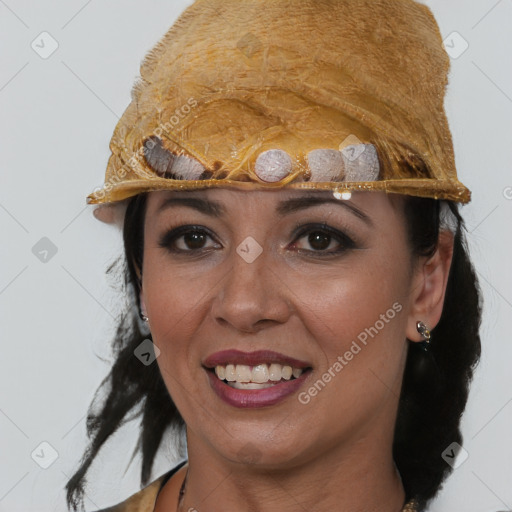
column 358, row 478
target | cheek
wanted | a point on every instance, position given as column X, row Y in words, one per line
column 175, row 298
column 172, row 303
column 358, row 315
column 358, row 326
column 347, row 301
column 173, row 292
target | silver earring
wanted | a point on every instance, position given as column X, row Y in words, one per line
column 423, row 330
column 144, row 317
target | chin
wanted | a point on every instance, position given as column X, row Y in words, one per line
column 264, row 451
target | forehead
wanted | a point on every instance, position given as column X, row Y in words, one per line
column 227, row 198
column 233, row 194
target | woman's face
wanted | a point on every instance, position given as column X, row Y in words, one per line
column 264, row 284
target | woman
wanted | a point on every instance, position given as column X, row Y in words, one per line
column 294, row 247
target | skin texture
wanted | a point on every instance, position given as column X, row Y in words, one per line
column 335, row 451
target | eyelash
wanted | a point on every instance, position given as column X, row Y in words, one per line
column 300, row 230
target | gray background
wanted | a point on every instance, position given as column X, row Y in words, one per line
column 57, row 316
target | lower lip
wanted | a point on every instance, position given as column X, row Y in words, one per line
column 251, row 398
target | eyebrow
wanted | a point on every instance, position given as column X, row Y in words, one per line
column 215, row 209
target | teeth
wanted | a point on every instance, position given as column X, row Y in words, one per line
column 220, row 371
column 243, row 373
column 275, row 372
column 230, row 373
column 250, row 385
column 259, row 374
column 286, row 372
column 256, row 377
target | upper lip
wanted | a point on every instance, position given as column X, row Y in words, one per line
column 233, row 356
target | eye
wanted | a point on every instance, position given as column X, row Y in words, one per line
column 320, row 237
column 185, row 239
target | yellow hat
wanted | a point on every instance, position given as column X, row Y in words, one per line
column 308, row 94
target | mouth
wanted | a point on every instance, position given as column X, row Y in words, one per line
column 254, row 379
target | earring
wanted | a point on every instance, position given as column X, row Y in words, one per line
column 423, row 369
column 144, row 317
column 423, row 330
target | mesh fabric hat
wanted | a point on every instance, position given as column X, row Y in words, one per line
column 337, row 95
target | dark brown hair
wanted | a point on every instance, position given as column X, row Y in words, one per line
column 435, row 384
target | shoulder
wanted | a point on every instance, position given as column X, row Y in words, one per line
column 141, row 501
column 145, row 499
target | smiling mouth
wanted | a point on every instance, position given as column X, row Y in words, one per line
column 261, row 376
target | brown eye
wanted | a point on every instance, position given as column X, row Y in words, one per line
column 185, row 239
column 322, row 237
column 319, row 241
column 194, row 239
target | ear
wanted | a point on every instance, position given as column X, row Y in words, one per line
column 429, row 287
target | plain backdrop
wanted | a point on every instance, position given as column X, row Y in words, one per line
column 58, row 308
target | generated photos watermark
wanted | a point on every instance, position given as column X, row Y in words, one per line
column 136, row 158
column 355, row 348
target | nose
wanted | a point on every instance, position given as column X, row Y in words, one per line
column 252, row 296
